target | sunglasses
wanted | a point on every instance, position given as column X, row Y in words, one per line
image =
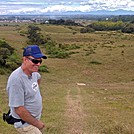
column 35, row 61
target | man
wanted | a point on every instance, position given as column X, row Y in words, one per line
column 25, row 100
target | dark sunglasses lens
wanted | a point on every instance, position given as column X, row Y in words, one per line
column 36, row 61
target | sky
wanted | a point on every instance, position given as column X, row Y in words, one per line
column 44, row 6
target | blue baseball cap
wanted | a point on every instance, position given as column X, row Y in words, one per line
column 34, row 51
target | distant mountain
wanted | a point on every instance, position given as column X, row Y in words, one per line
column 98, row 12
column 116, row 12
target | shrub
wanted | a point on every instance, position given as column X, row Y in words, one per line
column 2, row 71
column 106, row 25
column 87, row 30
column 73, row 46
column 43, row 68
column 55, row 51
column 95, row 62
column 61, row 54
column 2, row 61
column 59, row 50
column 3, row 44
column 34, row 35
column 11, row 65
column 68, row 47
column 14, row 58
column 9, row 60
column 128, row 28
column 5, row 52
column 50, row 47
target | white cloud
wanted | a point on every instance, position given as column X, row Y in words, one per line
column 59, row 8
column 92, row 5
column 110, row 4
column 41, row 6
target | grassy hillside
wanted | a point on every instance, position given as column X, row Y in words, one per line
column 91, row 92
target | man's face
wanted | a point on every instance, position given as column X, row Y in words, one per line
column 32, row 64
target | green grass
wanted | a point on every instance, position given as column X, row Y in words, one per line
column 104, row 62
column 109, row 109
column 54, row 108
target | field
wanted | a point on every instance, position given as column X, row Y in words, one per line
column 91, row 92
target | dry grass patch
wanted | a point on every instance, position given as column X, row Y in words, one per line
column 108, row 109
column 106, row 100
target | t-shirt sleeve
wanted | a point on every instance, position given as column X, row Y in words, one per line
column 16, row 94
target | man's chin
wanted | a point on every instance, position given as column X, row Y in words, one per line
column 35, row 70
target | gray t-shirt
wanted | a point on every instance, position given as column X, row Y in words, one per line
column 24, row 91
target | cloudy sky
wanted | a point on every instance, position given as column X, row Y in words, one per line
column 43, row 6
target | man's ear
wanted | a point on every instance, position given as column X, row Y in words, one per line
column 24, row 59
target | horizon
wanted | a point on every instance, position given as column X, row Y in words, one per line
column 30, row 7
column 91, row 13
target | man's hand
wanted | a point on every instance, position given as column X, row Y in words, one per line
column 40, row 125
column 27, row 117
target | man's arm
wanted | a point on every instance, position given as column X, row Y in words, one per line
column 27, row 117
column 39, row 81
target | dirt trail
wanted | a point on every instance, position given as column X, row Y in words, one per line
column 75, row 113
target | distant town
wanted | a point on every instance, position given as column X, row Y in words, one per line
column 46, row 18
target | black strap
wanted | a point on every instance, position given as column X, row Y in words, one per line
column 10, row 119
column 17, row 120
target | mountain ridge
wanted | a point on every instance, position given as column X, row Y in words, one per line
column 98, row 12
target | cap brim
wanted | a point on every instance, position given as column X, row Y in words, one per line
column 36, row 56
column 44, row 57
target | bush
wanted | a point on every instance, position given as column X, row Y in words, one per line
column 73, row 46
column 59, row 50
column 68, row 47
column 50, row 47
column 14, row 58
column 60, row 54
column 106, row 25
column 87, row 30
column 2, row 71
column 55, row 51
column 9, row 60
column 5, row 52
column 11, row 65
column 34, row 35
column 2, row 61
column 128, row 28
column 43, row 68
column 3, row 44
column 95, row 62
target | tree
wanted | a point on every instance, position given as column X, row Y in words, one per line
column 34, row 35
column 106, row 25
column 128, row 28
column 9, row 60
column 5, row 51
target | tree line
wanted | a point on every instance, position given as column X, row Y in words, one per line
column 67, row 22
column 127, row 27
column 123, row 18
column 9, row 60
column 123, row 23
